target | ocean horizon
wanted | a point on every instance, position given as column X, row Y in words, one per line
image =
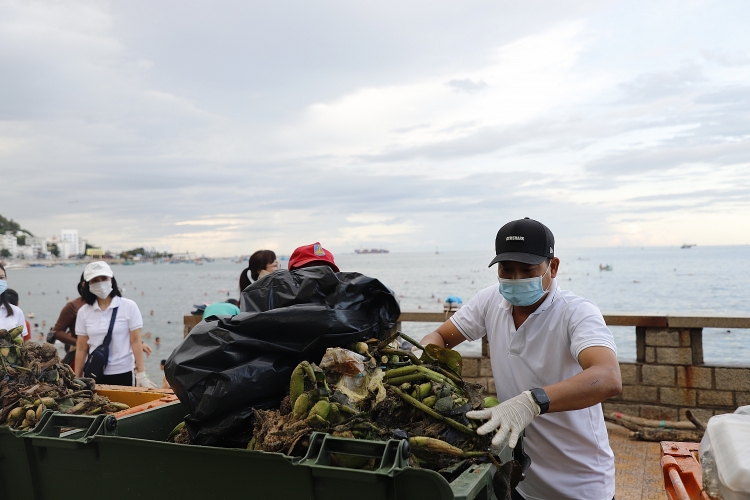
column 700, row 281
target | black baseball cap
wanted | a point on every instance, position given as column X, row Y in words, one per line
column 524, row 240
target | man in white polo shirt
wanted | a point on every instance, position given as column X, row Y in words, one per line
column 553, row 360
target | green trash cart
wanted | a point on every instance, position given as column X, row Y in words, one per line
column 103, row 458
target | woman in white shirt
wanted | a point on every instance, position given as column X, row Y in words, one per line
column 10, row 315
column 102, row 296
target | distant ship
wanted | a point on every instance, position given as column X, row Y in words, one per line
column 687, row 245
column 371, row 250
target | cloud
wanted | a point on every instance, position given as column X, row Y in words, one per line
column 467, row 85
column 726, row 58
column 245, row 124
column 661, row 84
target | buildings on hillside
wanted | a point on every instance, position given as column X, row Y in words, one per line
column 22, row 246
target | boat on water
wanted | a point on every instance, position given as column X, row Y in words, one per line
column 688, row 245
column 605, row 267
column 370, row 250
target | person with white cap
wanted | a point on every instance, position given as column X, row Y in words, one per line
column 109, row 320
column 553, row 360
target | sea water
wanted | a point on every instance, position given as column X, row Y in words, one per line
column 701, row 281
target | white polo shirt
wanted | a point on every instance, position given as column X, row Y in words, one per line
column 15, row 319
column 94, row 323
column 570, row 453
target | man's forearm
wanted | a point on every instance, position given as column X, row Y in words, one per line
column 592, row 386
column 447, row 335
column 433, row 338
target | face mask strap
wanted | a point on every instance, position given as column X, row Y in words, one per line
column 541, row 278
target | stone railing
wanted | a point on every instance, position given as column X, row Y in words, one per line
column 669, row 375
column 667, row 378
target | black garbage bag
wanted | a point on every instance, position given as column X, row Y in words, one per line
column 228, row 366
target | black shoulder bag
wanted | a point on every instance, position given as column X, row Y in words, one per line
column 97, row 360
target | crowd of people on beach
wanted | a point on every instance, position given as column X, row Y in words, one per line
column 100, row 318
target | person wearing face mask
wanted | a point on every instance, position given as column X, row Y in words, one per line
column 553, row 360
column 10, row 316
column 65, row 327
column 261, row 263
column 103, row 300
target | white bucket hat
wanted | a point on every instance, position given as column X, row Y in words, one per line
column 98, row 268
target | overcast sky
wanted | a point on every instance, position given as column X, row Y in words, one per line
column 225, row 127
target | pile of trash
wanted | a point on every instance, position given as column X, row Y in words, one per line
column 380, row 392
column 33, row 379
column 377, row 391
column 315, row 350
column 230, row 366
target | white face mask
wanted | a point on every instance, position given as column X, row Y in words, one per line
column 101, row 289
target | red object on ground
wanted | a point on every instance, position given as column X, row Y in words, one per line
column 683, row 476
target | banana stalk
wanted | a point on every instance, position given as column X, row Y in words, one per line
column 400, row 372
column 15, row 332
column 416, row 373
column 414, row 359
column 439, row 446
column 301, row 406
column 414, row 377
column 175, row 431
column 489, row 402
column 420, row 406
column 321, row 409
column 297, row 384
column 430, row 401
column 425, row 390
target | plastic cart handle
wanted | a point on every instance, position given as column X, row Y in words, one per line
column 47, row 431
column 393, row 453
column 520, row 456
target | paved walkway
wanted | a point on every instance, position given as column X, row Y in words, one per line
column 637, row 467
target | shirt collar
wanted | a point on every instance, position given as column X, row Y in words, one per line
column 115, row 303
column 551, row 295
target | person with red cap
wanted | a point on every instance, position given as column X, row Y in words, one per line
column 311, row 255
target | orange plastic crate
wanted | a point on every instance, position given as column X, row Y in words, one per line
column 138, row 398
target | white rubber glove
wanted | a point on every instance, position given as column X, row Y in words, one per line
column 511, row 416
column 142, row 380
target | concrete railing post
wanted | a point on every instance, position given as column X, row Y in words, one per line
column 640, row 344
